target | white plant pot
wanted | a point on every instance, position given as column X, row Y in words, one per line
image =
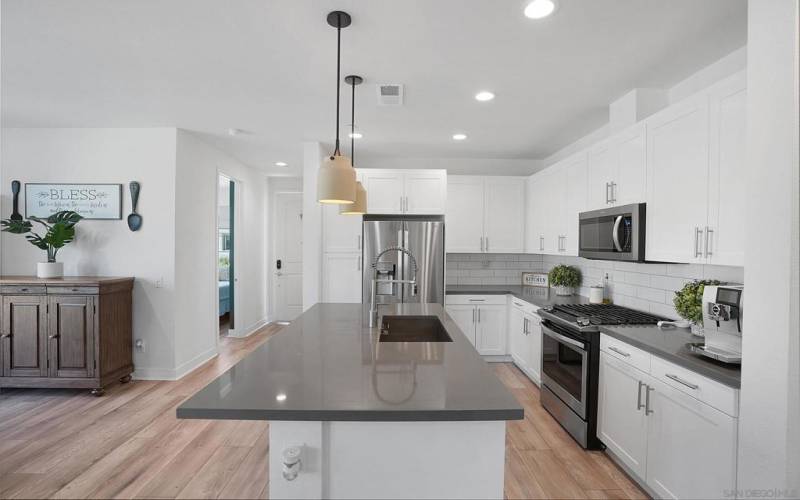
column 563, row 290
column 696, row 329
column 49, row 269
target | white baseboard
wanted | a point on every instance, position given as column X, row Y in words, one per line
column 251, row 329
column 177, row 373
column 497, row 358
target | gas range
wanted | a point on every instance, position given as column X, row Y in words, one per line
column 585, row 318
column 570, row 362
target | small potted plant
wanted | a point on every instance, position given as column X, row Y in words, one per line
column 564, row 279
column 689, row 303
column 60, row 230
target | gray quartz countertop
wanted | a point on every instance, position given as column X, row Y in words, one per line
column 537, row 296
column 670, row 344
column 327, row 365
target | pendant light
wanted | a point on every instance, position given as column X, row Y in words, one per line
column 337, row 180
column 360, row 206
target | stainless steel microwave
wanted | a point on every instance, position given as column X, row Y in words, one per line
column 615, row 233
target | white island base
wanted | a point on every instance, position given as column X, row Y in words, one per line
column 463, row 459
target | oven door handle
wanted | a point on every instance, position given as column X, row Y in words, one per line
column 562, row 338
column 615, row 233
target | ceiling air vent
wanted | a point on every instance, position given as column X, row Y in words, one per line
column 390, row 94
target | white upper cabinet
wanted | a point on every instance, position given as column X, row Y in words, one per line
column 425, row 191
column 504, row 208
column 342, row 233
column 534, row 215
column 677, row 181
column 695, row 177
column 726, row 188
column 464, row 215
column 600, row 174
column 575, row 171
column 617, row 169
column 485, row 214
column 405, row 191
column 630, row 181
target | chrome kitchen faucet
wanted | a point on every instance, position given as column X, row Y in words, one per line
column 373, row 305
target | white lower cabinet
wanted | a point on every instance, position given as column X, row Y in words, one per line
column 525, row 339
column 663, row 426
column 483, row 319
column 621, row 423
column 342, row 277
column 464, row 317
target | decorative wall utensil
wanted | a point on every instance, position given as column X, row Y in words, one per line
column 15, row 215
column 134, row 219
column 90, row 201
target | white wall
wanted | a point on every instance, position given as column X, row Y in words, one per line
column 770, row 421
column 196, row 317
column 313, row 153
column 107, row 247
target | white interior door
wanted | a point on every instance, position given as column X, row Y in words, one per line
column 289, row 252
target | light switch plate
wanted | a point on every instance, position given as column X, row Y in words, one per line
column 535, row 279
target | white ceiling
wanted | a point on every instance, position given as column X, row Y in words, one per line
column 268, row 67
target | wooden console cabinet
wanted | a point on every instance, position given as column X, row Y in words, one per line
column 72, row 332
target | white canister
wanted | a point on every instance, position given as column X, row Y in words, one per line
column 49, row 269
column 596, row 294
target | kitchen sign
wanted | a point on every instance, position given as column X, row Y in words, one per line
column 91, row 201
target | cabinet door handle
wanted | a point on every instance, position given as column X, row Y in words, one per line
column 679, row 380
column 639, row 404
column 358, row 242
column 608, row 196
column 621, row 353
column 473, row 315
column 481, row 243
column 613, row 192
column 487, row 243
column 53, row 336
column 709, row 234
column 6, row 336
column 479, row 315
column 647, row 410
column 358, row 266
column 541, row 243
column 697, row 233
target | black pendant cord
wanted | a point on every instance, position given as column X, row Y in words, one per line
column 353, row 125
column 338, row 76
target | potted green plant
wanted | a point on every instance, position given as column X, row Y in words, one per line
column 564, row 279
column 689, row 303
column 59, row 230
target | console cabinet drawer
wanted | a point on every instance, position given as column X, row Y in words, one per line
column 22, row 289
column 72, row 290
column 477, row 300
column 626, row 352
column 713, row 393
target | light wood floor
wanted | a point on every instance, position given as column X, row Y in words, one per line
column 69, row 444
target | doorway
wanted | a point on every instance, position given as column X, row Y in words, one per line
column 226, row 205
column 288, row 263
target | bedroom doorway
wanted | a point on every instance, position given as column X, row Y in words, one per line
column 226, row 204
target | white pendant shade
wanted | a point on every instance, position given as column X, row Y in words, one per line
column 336, row 183
column 360, row 206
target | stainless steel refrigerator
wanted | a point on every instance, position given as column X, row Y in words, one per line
column 420, row 235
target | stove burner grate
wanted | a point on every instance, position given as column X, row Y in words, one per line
column 608, row 314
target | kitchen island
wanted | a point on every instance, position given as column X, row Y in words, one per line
column 367, row 417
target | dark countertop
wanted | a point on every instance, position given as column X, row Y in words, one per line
column 327, row 366
column 537, row 296
column 670, row 344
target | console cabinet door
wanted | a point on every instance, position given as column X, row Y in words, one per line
column 24, row 336
column 621, row 420
column 71, row 336
column 691, row 447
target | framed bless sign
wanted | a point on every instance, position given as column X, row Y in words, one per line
column 91, row 201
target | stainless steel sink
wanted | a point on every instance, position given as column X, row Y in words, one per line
column 413, row 329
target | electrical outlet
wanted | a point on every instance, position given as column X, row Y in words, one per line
column 160, row 283
column 139, row 344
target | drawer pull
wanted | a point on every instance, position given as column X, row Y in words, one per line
column 74, row 289
column 681, row 381
column 621, row 353
column 647, row 410
column 639, row 404
column 23, row 289
column 517, row 304
column 477, row 300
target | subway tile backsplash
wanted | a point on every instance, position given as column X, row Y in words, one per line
column 648, row 287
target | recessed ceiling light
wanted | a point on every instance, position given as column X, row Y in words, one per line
column 459, row 137
column 539, row 9
column 355, row 135
column 281, row 164
column 484, row 95
column 280, row 397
